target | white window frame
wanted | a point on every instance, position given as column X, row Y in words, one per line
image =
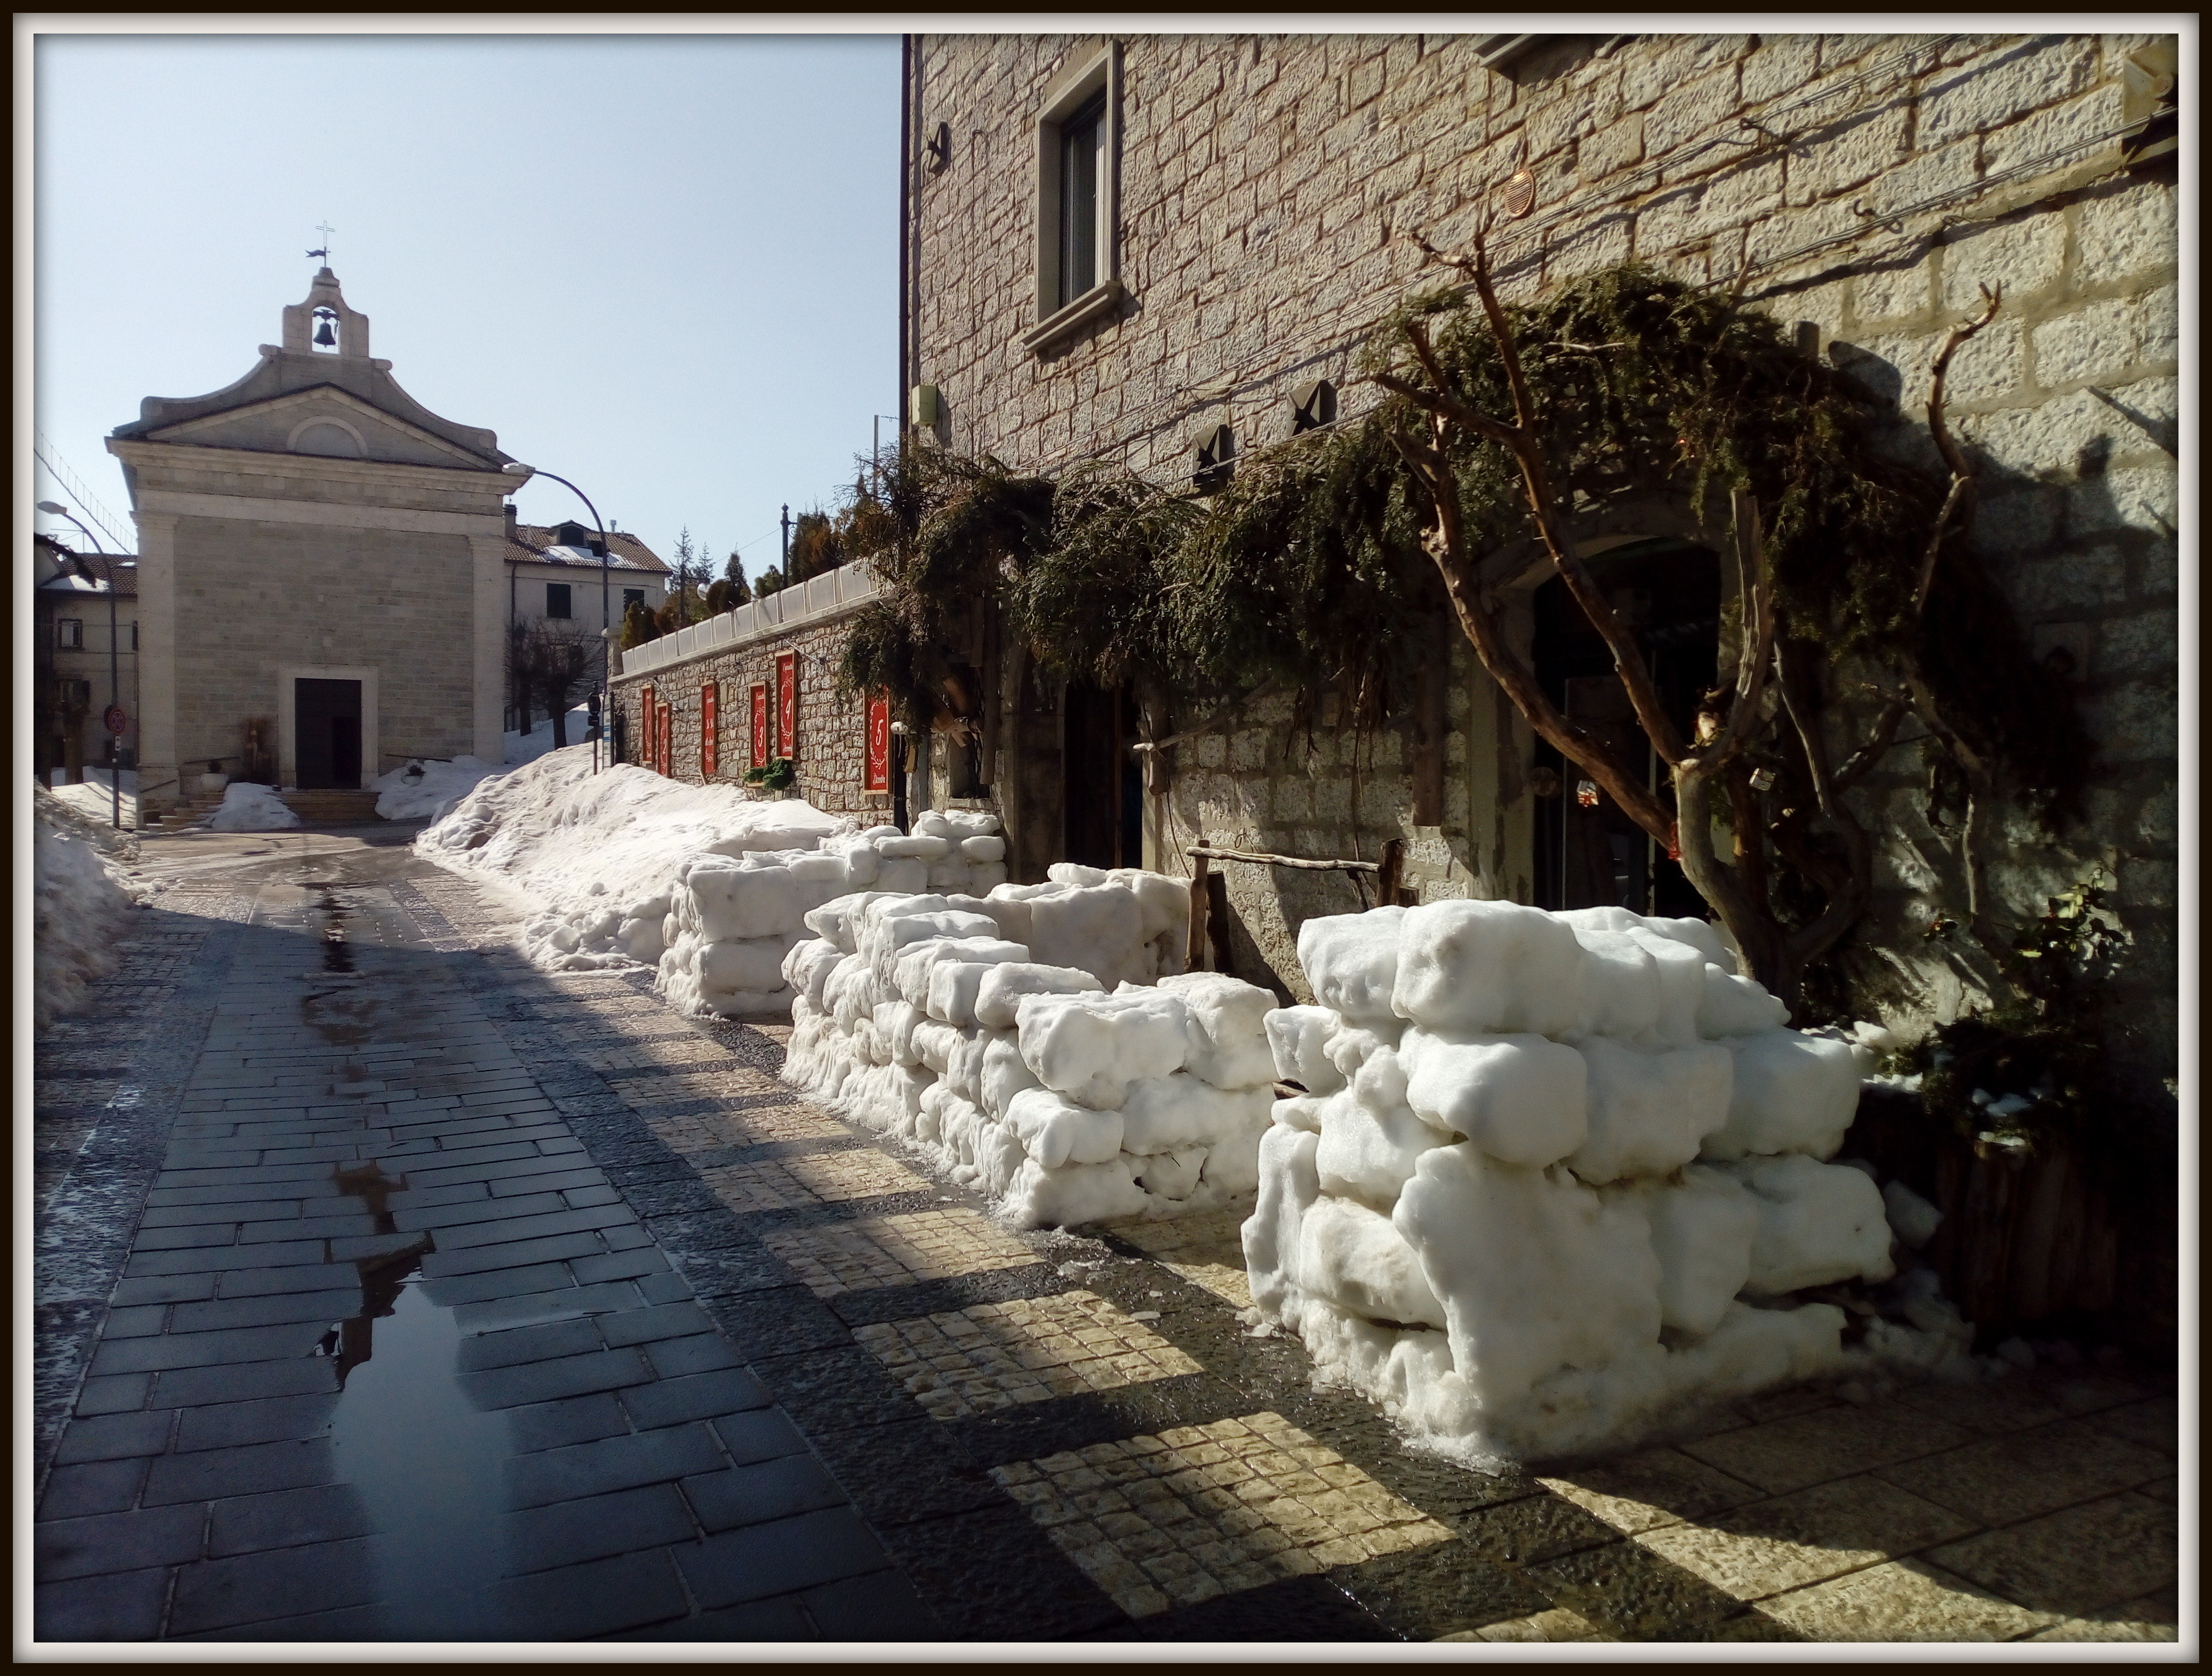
column 1094, row 69
column 68, row 634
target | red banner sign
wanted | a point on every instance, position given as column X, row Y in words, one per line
column 786, row 704
column 666, row 732
column 760, row 726
column 877, row 774
column 649, row 715
column 709, row 716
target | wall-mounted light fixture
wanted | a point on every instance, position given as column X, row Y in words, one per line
column 940, row 148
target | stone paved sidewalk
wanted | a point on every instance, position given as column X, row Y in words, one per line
column 949, row 1429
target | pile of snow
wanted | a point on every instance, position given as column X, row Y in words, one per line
column 247, row 807
column 81, row 895
column 1040, row 1041
column 419, row 790
column 95, row 797
column 600, row 857
column 529, row 747
column 1558, row 1174
column 732, row 918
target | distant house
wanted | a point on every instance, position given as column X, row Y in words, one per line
column 325, row 567
column 76, row 678
column 554, row 576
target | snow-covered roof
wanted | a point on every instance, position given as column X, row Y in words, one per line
column 541, row 545
column 119, row 569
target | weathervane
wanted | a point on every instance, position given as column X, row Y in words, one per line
column 326, row 229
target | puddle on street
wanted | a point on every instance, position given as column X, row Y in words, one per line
column 337, row 953
column 425, row 1461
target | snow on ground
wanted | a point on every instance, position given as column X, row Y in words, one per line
column 529, row 747
column 247, row 807
column 598, row 856
column 419, row 791
column 84, row 888
column 1557, row 1175
column 425, row 789
column 732, row 919
column 982, row 1030
column 94, row 800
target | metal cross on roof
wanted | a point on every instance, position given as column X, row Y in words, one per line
column 326, row 229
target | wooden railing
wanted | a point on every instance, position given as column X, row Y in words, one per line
column 1209, row 891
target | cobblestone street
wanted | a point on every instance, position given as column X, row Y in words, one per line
column 388, row 1288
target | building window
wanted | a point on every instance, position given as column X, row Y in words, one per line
column 1313, row 406
column 1077, row 152
column 69, row 633
column 632, row 597
column 1080, row 138
column 1217, row 455
column 557, row 599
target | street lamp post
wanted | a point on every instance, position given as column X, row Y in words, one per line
column 517, row 469
column 55, row 509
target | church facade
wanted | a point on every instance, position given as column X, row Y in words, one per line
column 323, row 569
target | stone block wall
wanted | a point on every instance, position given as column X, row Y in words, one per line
column 1861, row 188
column 252, row 596
column 831, row 750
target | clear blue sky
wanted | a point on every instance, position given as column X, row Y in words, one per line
column 664, row 266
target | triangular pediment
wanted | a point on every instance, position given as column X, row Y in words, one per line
column 321, row 421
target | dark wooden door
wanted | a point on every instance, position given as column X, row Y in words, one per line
column 1103, row 788
column 326, row 734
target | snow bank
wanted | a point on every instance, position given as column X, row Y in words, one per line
column 733, row 917
column 81, row 895
column 94, row 798
column 529, row 747
column 600, row 856
column 1040, row 1040
column 247, row 807
column 1556, row 1177
column 426, row 791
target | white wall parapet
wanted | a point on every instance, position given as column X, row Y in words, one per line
column 828, row 595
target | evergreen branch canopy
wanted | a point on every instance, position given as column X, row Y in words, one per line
column 1308, row 569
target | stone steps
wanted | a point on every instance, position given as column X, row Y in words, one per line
column 332, row 808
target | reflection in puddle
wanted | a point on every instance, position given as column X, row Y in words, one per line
column 337, row 953
column 425, row 1461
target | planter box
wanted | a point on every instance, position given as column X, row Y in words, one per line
column 2026, row 1237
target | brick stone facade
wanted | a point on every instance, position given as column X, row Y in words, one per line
column 254, row 596
column 831, row 743
column 1861, row 188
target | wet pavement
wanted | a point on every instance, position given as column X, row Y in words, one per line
column 390, row 1289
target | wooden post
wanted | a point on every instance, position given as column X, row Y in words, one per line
column 1217, row 919
column 1194, row 955
column 1393, row 866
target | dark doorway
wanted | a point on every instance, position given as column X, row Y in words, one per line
column 326, row 734
column 1668, row 592
column 1103, row 789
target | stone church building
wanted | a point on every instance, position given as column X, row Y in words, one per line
column 324, row 569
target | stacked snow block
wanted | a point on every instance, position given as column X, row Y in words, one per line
column 1553, row 1174
column 734, row 915
column 1042, row 1040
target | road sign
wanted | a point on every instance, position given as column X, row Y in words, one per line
column 116, row 720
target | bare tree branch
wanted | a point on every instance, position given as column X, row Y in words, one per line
column 1624, row 784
